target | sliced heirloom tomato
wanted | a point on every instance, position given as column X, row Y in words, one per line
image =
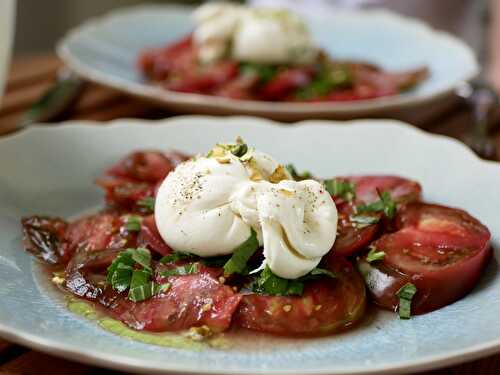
column 441, row 250
column 191, row 301
column 137, row 176
column 44, row 238
column 353, row 237
column 327, row 306
column 402, row 189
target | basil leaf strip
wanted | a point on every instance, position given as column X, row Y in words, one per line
column 340, row 188
column 133, row 223
column 363, row 221
column 176, row 256
column 186, row 269
column 405, row 295
column 147, row 203
column 238, row 261
column 385, row 204
column 374, row 255
column 296, row 175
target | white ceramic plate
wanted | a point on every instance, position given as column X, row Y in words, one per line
column 49, row 170
column 105, row 50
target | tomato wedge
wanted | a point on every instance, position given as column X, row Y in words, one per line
column 441, row 250
column 351, row 237
column 402, row 190
column 327, row 305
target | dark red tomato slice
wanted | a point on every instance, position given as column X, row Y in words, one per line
column 351, row 237
column 240, row 88
column 150, row 238
column 44, row 238
column 191, row 301
column 146, row 166
column 327, row 306
column 285, row 83
column 97, row 232
column 125, row 193
column 402, row 190
column 207, row 80
column 158, row 64
column 441, row 250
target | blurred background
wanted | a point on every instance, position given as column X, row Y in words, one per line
column 40, row 23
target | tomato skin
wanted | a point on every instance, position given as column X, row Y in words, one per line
column 285, row 83
column 150, row 238
column 441, row 250
column 327, row 306
column 402, row 189
column 351, row 239
column 191, row 301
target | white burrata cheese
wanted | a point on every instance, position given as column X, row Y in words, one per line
column 258, row 35
column 209, row 205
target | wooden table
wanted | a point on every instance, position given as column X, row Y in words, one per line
column 30, row 77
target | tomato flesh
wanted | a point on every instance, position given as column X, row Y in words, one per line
column 441, row 250
column 327, row 306
column 351, row 238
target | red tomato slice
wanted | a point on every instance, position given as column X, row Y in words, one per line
column 402, row 190
column 327, row 306
column 206, row 81
column 351, row 238
column 441, row 250
column 150, row 237
column 146, row 166
column 191, row 301
column 98, row 232
column 44, row 238
column 285, row 83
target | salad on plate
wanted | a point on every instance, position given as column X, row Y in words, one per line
column 232, row 240
column 265, row 54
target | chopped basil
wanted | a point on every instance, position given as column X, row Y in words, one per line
column 340, row 188
column 120, row 278
column 147, row 203
column 217, row 261
column 133, row 223
column 142, row 257
column 321, row 272
column 141, row 287
column 124, row 273
column 405, row 295
column 269, row 283
column 125, row 258
column 374, row 255
column 385, row 204
column 176, row 256
column 265, row 72
column 296, row 175
column 329, row 79
column 238, row 261
column 363, row 221
column 186, row 269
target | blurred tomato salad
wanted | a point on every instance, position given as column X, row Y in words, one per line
column 265, row 54
column 233, row 239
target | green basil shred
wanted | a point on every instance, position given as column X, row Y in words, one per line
column 385, row 204
column 271, row 284
column 405, row 295
column 131, row 269
column 363, row 220
column 147, row 203
column 340, row 188
column 296, row 175
column 374, row 255
column 238, row 261
column 133, row 223
column 186, row 269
